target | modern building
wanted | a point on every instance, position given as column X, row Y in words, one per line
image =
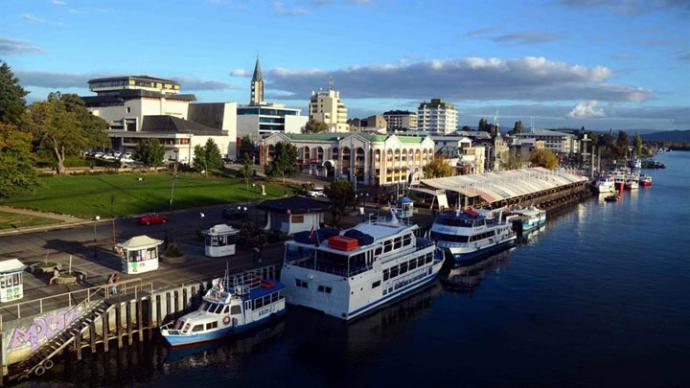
column 260, row 118
column 437, row 116
column 139, row 108
column 559, row 142
column 325, row 106
column 400, row 120
column 368, row 159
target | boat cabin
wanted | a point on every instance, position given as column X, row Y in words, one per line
column 11, row 280
column 139, row 254
column 220, row 240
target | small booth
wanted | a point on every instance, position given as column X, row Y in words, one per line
column 220, row 240
column 139, row 254
column 11, row 280
column 405, row 208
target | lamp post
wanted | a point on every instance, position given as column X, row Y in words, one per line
column 95, row 221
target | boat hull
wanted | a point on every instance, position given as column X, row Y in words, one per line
column 469, row 258
column 192, row 339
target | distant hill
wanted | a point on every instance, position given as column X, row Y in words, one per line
column 674, row 136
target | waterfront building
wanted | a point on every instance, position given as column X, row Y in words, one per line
column 400, row 120
column 327, row 107
column 260, row 118
column 293, row 215
column 559, row 142
column 372, row 158
column 139, row 108
column 437, row 116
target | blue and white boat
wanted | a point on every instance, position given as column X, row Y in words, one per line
column 471, row 235
column 231, row 306
column 350, row 273
column 528, row 219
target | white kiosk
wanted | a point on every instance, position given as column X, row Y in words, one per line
column 11, row 280
column 220, row 240
column 405, row 208
column 139, row 254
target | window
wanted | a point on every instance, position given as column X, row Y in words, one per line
column 448, row 237
column 407, row 240
column 129, row 109
column 387, row 246
column 403, row 268
column 274, row 297
column 375, row 284
column 198, row 328
column 378, row 251
column 397, row 243
column 386, row 275
column 394, row 271
column 211, row 325
column 412, row 264
column 301, row 283
column 298, row 219
column 420, row 261
column 325, row 289
column 258, row 303
column 235, row 310
column 429, row 257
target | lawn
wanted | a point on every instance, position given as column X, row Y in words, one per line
column 90, row 195
column 12, row 220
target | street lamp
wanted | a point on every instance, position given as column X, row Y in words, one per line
column 95, row 221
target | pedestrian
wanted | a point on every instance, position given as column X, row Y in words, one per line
column 116, row 278
column 109, row 282
column 56, row 275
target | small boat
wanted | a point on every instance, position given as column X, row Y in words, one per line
column 613, row 198
column 605, row 184
column 632, row 184
column 232, row 305
column 530, row 218
column 645, row 181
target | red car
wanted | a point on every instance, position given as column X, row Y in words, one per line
column 149, row 219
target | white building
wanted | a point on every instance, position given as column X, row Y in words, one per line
column 437, row 116
column 369, row 158
column 138, row 108
column 325, row 106
column 559, row 142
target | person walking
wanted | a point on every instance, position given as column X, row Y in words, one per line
column 116, row 279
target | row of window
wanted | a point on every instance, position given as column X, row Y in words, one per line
column 10, row 280
column 266, row 300
column 462, row 239
column 398, row 270
column 394, row 243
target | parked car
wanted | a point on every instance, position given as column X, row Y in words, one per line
column 316, row 192
column 149, row 219
column 237, row 213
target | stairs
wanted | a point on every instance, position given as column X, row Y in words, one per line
column 40, row 360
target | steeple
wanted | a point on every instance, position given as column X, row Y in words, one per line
column 256, row 96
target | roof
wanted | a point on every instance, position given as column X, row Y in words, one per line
column 257, row 72
column 295, row 205
column 140, row 242
column 435, row 103
column 136, row 77
column 221, row 229
column 11, row 265
column 380, row 230
column 132, row 94
column 317, row 136
column 399, row 112
column 165, row 123
column 544, row 132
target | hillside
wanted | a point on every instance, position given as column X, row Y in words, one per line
column 670, row 136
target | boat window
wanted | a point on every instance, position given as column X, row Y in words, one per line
column 258, row 303
column 407, row 240
column 211, row 325
column 403, row 268
column 375, row 284
column 397, row 243
column 466, row 223
column 294, row 252
column 235, row 310
column 394, row 271
column 204, row 306
column 420, row 261
column 225, row 310
column 429, row 257
column 386, row 274
column 197, row 328
column 448, row 237
column 387, row 246
column 412, row 264
column 378, row 251
column 219, row 309
column 325, row 289
column 274, row 297
column 186, row 328
column 178, row 325
column 301, row 283
column 267, row 300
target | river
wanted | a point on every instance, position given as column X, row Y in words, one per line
column 600, row 298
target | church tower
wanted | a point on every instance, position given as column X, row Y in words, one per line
column 257, row 86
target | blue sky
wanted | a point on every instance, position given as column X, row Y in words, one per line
column 598, row 63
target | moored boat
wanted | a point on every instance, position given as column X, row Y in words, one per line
column 632, row 184
column 605, row 184
column 232, row 305
column 470, row 235
column 645, row 181
column 529, row 218
column 353, row 272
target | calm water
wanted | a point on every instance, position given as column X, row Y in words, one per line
column 600, row 298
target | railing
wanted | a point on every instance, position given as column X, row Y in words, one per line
column 73, row 298
column 308, row 262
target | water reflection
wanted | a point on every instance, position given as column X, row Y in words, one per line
column 467, row 279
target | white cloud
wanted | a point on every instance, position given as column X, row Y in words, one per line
column 527, row 37
column 281, row 9
column 15, row 46
column 58, row 2
column 31, row 18
column 528, row 78
column 240, row 73
column 586, row 109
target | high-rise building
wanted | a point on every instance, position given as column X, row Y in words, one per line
column 437, row 116
column 325, row 106
column 400, row 120
column 256, row 96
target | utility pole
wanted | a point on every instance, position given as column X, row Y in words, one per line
column 172, row 187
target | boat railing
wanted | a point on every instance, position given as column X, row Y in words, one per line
column 311, row 263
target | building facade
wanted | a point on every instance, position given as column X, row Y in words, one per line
column 325, row 106
column 400, row 120
column 367, row 158
column 559, row 142
column 140, row 108
column 437, row 116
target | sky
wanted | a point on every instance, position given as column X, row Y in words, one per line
column 602, row 64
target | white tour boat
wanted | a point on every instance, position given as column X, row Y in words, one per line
column 470, row 236
column 347, row 274
column 231, row 306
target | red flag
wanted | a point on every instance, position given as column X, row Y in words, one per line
column 311, row 234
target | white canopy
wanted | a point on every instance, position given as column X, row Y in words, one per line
column 220, row 229
column 11, row 265
column 139, row 242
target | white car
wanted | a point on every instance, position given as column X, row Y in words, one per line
column 316, row 192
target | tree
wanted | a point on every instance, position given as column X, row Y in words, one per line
column 247, row 147
column 314, row 126
column 466, row 128
column 150, row 152
column 214, row 160
column 12, row 103
column 251, row 236
column 246, row 170
column 517, row 128
column 638, row 144
column 341, row 193
column 483, row 125
column 543, row 158
column 514, row 161
column 63, row 126
column 438, row 168
column 16, row 161
column 284, row 162
column 623, row 139
column 200, row 162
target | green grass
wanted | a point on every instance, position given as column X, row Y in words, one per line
column 90, row 195
column 12, row 220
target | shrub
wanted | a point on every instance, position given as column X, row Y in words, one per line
column 173, row 250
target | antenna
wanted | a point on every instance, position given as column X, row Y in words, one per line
column 498, row 126
column 330, row 83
